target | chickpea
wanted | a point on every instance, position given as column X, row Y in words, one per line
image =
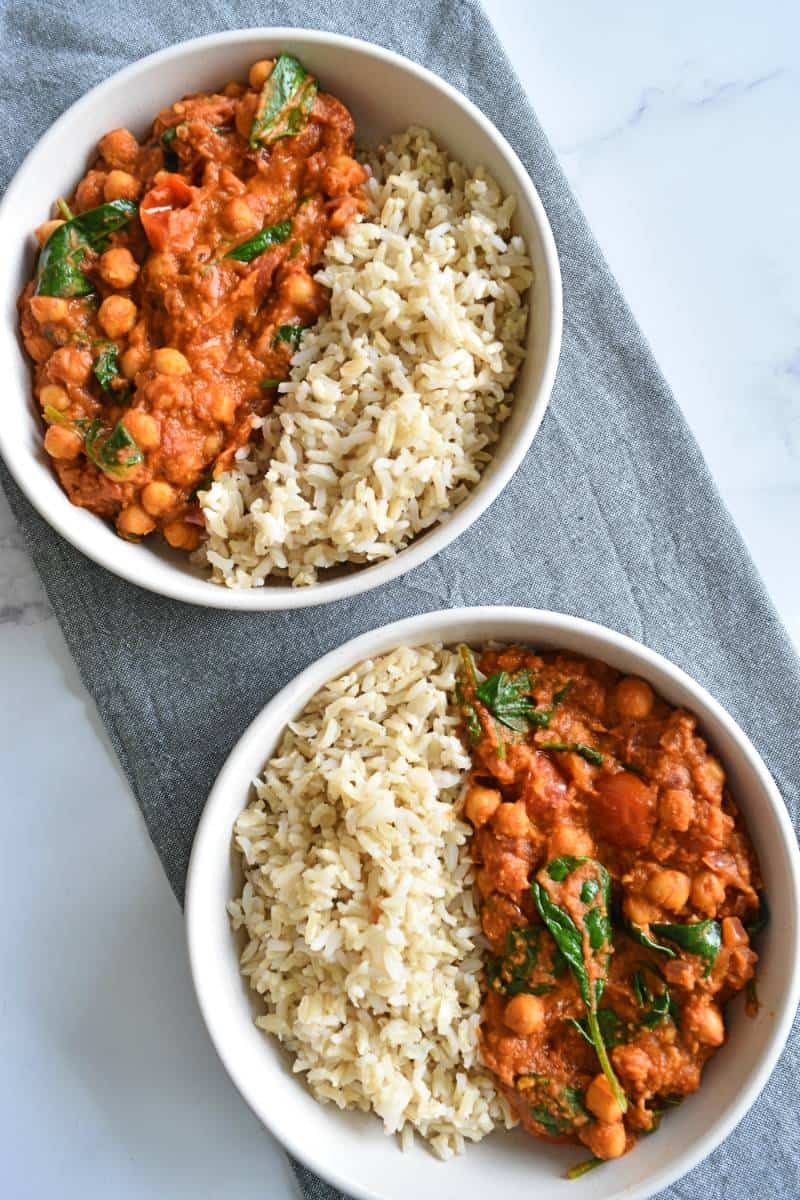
column 634, row 698
column 511, row 820
column 569, row 840
column 53, row 396
column 132, row 361
column 119, row 185
column 134, row 522
column 601, row 1102
column 62, row 443
column 703, row 1019
column 159, row 267
column 158, row 498
column 70, row 365
column 245, row 111
column 238, row 216
column 638, row 910
column 168, row 361
column 89, row 192
column 260, row 73
column 710, row 779
column 117, row 316
column 232, row 89
column 606, row 1140
column 212, row 445
column 119, row 148
column 481, row 803
column 524, row 1014
column 49, row 308
column 118, row 267
column 182, row 535
column 300, row 288
column 669, row 889
column 223, row 405
column 39, row 348
column 676, row 808
column 708, row 892
column 44, row 231
column 144, row 429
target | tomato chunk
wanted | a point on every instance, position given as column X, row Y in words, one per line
column 623, row 811
column 166, row 215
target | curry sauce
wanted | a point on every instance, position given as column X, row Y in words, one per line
column 173, row 289
column 618, row 894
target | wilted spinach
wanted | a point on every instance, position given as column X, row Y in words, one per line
column 273, row 235
column 58, row 272
column 286, row 99
column 588, row 957
column 115, row 453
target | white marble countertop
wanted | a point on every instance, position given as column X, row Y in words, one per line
column 677, row 129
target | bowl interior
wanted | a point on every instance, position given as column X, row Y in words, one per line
column 385, row 94
column 350, row 1149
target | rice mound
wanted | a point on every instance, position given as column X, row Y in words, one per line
column 397, row 395
column 358, row 911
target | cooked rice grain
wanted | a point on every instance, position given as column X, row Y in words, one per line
column 358, row 908
column 397, row 395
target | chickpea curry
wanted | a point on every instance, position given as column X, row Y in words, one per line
column 618, row 893
column 173, row 289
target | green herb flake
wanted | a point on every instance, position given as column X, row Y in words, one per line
column 591, row 754
column 106, row 365
column 583, row 1168
column 289, row 334
column 273, row 235
column 761, row 918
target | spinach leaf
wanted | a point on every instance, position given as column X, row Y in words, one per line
column 612, row 1027
column 588, row 752
column 508, row 976
column 761, row 918
column 702, row 938
column 556, row 1106
column 563, row 692
column 506, row 699
column 658, row 1006
column 291, row 334
column 589, row 963
column 286, row 99
column 644, row 939
column 171, row 161
column 115, row 453
column 58, row 272
column 106, row 365
column 273, row 235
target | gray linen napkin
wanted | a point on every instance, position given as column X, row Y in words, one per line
column 612, row 516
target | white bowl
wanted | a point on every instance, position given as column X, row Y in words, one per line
column 351, row 1150
column 385, row 93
